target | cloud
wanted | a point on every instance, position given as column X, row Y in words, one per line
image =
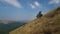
column 32, row 6
column 36, row 4
column 54, row 2
column 14, row 3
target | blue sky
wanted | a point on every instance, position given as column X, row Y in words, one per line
column 25, row 9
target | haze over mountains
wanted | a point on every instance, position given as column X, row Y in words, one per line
column 6, row 21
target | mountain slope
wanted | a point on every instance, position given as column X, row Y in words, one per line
column 49, row 23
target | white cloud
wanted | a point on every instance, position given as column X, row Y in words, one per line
column 13, row 2
column 36, row 3
column 32, row 6
column 54, row 2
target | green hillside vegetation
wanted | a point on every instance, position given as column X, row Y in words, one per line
column 49, row 23
column 6, row 28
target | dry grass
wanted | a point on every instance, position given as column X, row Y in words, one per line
column 38, row 26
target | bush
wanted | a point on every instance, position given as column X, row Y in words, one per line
column 39, row 15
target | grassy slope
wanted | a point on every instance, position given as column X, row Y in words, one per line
column 50, row 21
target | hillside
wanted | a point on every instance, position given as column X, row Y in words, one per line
column 49, row 23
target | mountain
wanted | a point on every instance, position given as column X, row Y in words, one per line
column 7, row 26
column 47, row 24
column 6, row 21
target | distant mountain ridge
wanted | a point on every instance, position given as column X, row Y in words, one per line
column 7, row 25
column 47, row 24
column 6, row 21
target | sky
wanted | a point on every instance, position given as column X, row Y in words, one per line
column 25, row 9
